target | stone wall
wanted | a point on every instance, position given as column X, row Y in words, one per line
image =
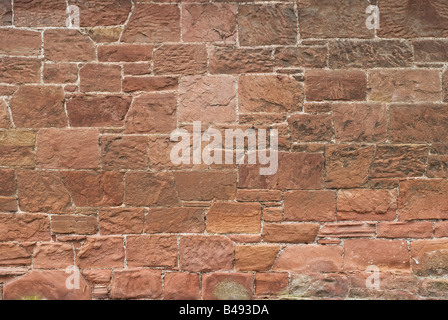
column 86, row 178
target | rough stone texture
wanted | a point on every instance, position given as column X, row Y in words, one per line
column 224, row 217
column 347, row 166
column 41, row 191
column 209, row 22
column 360, row 122
column 151, row 251
column 101, row 252
column 175, row 220
column 269, row 94
column 136, row 284
column 68, row 45
column 152, row 113
column 205, row 253
column 97, row 110
column 267, row 24
column 423, row 199
column 69, row 149
column 335, row 85
column 151, row 23
column 87, row 117
column 202, row 97
column 404, row 85
column 370, row 54
column 38, row 107
column 413, row 18
column 46, row 285
column 324, row 19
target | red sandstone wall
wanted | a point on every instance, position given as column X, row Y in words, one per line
column 86, row 178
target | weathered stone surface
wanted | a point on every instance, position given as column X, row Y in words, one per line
column 226, row 217
column 437, row 166
column 103, row 12
column 441, row 229
column 74, row 224
column 205, row 253
column 180, row 59
column 49, row 255
column 417, row 229
column 97, row 77
column 207, row 99
column 124, row 53
column 433, row 288
column 60, row 73
column 38, row 107
column 13, row 255
column 48, row 13
column 399, row 161
column 149, row 84
column 68, row 149
column 430, row 257
column 97, row 110
column 136, row 284
column 150, row 189
column 310, row 205
column 7, row 182
column 430, row 50
column 124, row 152
column 370, row 54
column 360, row 122
column 290, row 233
column 94, row 189
column 152, row 251
column 269, row 94
column 24, row 227
column 101, row 252
column 104, row 35
column 255, row 258
column 150, row 23
column 5, row 13
column 366, row 205
column 258, row 195
column 311, row 127
column 206, row 185
column 326, row 286
column 301, row 56
column 267, row 24
column 324, row 19
column 423, row 199
column 18, row 70
column 385, row 254
column 17, row 148
column 152, row 113
column 46, row 285
column 41, row 191
column 209, row 22
column 295, row 171
column 5, row 121
column 231, row 60
column 181, row 286
column 271, row 283
column 310, row 258
column 20, row 42
column 347, row 166
column 348, row 230
column 68, row 45
column 445, row 86
column 404, row 85
column 413, row 19
column 121, row 221
column 225, row 286
column 422, row 123
column 175, row 220
column 323, row 85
